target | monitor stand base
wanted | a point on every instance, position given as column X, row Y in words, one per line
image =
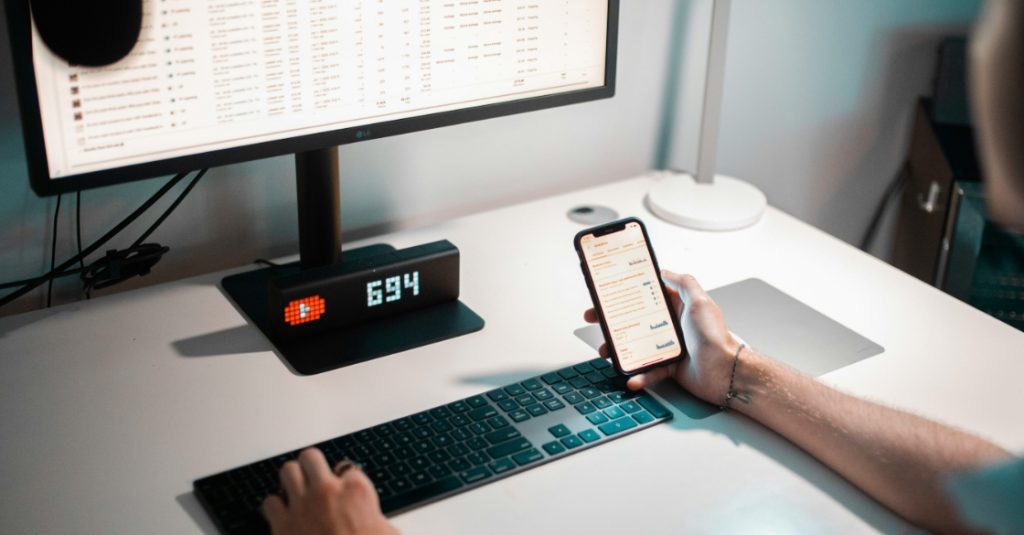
column 350, row 345
column 725, row 204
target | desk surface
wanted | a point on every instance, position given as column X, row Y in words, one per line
column 110, row 408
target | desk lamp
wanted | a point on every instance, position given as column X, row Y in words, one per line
column 709, row 201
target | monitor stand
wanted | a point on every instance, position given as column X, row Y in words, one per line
column 320, row 245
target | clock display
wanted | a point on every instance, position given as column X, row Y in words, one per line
column 390, row 289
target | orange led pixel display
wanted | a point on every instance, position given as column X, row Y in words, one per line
column 304, row 310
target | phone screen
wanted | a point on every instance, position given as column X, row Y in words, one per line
column 629, row 291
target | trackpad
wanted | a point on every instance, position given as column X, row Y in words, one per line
column 777, row 325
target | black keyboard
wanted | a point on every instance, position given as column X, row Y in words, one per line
column 456, row 447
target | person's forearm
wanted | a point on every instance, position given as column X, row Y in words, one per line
column 900, row 459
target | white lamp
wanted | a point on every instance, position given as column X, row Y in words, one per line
column 709, row 201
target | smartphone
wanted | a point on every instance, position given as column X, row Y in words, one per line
column 640, row 327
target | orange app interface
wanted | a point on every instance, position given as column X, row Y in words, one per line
column 630, row 294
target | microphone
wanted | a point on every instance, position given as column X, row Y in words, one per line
column 91, row 33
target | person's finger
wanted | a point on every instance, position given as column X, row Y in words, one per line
column 649, row 378
column 673, row 295
column 356, row 483
column 314, row 465
column 603, row 351
column 273, row 510
column 292, row 480
column 684, row 284
column 590, row 315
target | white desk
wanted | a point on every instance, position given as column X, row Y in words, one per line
column 110, row 408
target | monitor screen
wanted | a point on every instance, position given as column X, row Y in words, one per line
column 219, row 81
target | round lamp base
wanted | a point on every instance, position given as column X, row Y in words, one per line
column 726, row 204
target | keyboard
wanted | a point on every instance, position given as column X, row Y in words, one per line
column 456, row 447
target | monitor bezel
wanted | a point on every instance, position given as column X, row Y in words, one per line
column 19, row 27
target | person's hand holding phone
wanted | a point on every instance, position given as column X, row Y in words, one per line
column 710, row 344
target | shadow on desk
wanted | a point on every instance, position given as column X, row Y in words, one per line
column 698, row 415
column 190, row 504
column 233, row 341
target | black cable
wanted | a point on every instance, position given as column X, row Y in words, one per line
column 15, row 284
column 138, row 259
column 891, row 190
column 78, row 233
column 170, row 208
column 53, row 251
column 95, row 245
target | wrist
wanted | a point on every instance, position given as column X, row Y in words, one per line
column 753, row 374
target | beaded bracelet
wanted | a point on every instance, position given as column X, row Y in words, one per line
column 732, row 379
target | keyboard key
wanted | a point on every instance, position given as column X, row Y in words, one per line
column 594, row 377
column 384, row 430
column 458, row 420
column 440, row 413
column 618, row 397
column 579, row 382
column 572, row 441
column 477, row 458
column 508, row 404
column 419, row 479
column 519, row 415
column 601, row 402
column 617, row 426
column 476, row 401
column 609, row 373
column 643, row 417
column 400, row 469
column 554, row 447
column 597, row 418
column 514, row 390
column 459, row 464
column 543, row 394
column 574, row 398
column 402, row 424
column 439, row 456
column 525, row 399
column 567, row 373
column 457, row 450
column 439, row 470
column 653, row 406
column 419, row 463
column 478, row 428
column 405, row 499
column 482, row 413
column 399, row 485
column 629, row 407
column 601, row 364
column 502, row 465
column 442, row 441
column 589, row 436
column 585, row 408
column 554, row 404
column 590, row 392
column 559, row 431
column 501, row 435
column 402, row 439
column 613, row 413
column 441, row 426
column 531, row 384
column 422, row 418
column 460, row 434
column 527, row 457
column 475, row 474
column 536, row 409
column 507, row 448
column 418, row 433
column 458, row 406
column 562, row 388
column 423, row 446
column 497, row 395
column 551, row 378
column 477, row 443
column 583, row 368
column 405, row 452
column 497, row 422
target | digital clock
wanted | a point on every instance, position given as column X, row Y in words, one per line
column 364, row 290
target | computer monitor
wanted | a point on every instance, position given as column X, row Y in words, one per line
column 215, row 82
